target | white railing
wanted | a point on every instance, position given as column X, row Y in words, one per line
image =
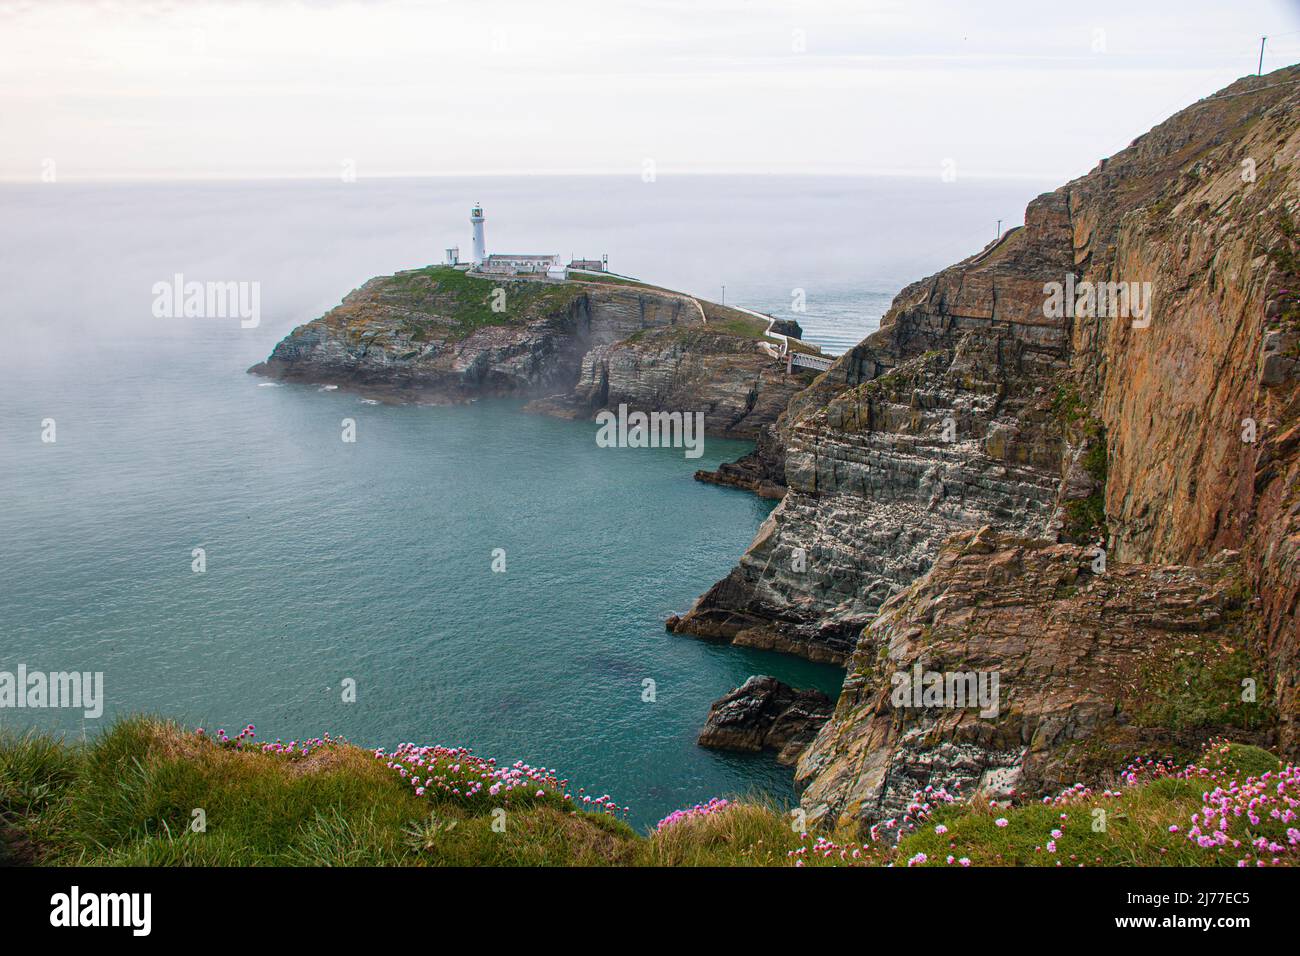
column 820, row 362
column 792, row 357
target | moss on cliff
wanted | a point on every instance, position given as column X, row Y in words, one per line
column 1068, row 405
column 1210, row 680
column 1204, row 687
column 1285, row 256
column 1085, row 518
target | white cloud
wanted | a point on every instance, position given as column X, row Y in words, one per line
column 139, row 89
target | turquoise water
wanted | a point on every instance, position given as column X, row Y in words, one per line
column 372, row 560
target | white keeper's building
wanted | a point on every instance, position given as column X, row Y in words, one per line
column 549, row 265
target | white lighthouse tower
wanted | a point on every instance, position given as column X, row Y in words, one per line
column 476, row 220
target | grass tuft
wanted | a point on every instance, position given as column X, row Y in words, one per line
column 148, row 793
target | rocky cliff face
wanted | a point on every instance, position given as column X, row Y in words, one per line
column 1202, row 408
column 437, row 334
column 1165, row 429
column 739, row 389
column 1066, row 672
column 945, row 419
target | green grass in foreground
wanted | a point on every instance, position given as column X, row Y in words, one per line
column 130, row 797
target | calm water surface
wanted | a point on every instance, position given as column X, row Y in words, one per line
column 372, row 560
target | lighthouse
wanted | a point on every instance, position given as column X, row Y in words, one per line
column 533, row 265
column 476, row 220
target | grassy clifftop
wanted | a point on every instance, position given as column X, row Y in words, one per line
column 453, row 303
column 449, row 303
column 149, row 793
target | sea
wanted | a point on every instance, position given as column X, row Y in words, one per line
column 474, row 575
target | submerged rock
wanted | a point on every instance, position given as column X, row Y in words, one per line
column 764, row 713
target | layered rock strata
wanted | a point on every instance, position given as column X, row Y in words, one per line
column 739, row 390
column 942, row 420
column 1049, row 672
column 1124, row 430
column 1157, row 439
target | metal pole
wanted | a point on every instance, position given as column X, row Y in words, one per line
column 999, row 235
column 1261, row 55
column 724, row 294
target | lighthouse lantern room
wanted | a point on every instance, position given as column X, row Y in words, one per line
column 476, row 220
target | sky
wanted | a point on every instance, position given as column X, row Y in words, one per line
column 132, row 89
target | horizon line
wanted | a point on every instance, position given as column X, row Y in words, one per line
column 8, row 180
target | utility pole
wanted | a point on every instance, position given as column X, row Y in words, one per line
column 1261, row 55
column 999, row 235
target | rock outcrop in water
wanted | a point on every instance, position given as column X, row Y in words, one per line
column 1169, row 435
column 441, row 335
column 765, row 714
column 762, row 471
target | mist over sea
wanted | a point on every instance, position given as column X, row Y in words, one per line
column 372, row 561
